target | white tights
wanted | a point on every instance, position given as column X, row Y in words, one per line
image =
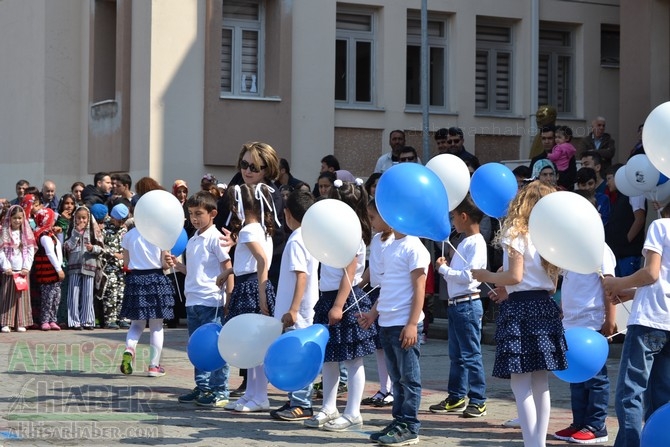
column 355, row 385
column 257, row 385
column 382, row 371
column 155, row 337
column 533, row 402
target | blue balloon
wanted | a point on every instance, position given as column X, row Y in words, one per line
column 412, row 200
column 655, row 431
column 586, row 355
column 180, row 245
column 492, row 187
column 662, row 179
column 203, row 348
column 294, row 360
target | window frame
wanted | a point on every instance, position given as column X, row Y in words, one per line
column 554, row 53
column 492, row 50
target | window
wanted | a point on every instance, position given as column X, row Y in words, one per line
column 242, row 40
column 354, row 57
column 437, row 55
column 556, row 69
column 609, row 45
column 493, row 68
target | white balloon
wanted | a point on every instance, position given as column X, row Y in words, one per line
column 454, row 174
column 641, row 174
column 660, row 194
column 332, row 232
column 656, row 137
column 567, row 231
column 245, row 339
column 623, row 185
column 159, row 217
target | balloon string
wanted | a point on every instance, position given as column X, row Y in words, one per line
column 357, row 300
column 443, row 249
column 466, row 261
column 176, row 283
column 351, row 285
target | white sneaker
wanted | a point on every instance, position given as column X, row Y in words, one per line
column 512, row 423
column 20, row 329
column 6, row 329
column 253, row 407
column 234, row 403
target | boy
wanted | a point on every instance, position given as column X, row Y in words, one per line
column 109, row 286
column 586, row 181
column 404, row 263
column 297, row 293
column 205, row 260
column 465, row 312
column 584, row 304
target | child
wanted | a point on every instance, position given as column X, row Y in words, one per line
column 16, row 255
column 325, row 183
column 404, row 262
column 585, row 305
column 563, row 156
column 373, row 276
column 48, row 267
column 297, row 292
column 586, row 181
column 114, row 230
column 147, row 295
column 642, row 386
column 465, row 312
column 83, row 244
column 205, row 260
column 348, row 342
column 252, row 226
column 529, row 335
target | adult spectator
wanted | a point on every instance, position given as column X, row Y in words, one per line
column 21, row 186
column 49, row 198
column 76, row 189
column 408, row 155
column 122, row 191
column 208, row 181
column 285, row 178
column 99, row 192
column 591, row 159
column 143, row 186
column 547, row 138
column 600, row 141
column 450, row 141
column 328, row 164
column 397, row 142
column 638, row 148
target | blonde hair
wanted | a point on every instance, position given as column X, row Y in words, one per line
column 264, row 155
column 518, row 213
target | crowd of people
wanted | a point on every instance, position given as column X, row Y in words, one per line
column 78, row 262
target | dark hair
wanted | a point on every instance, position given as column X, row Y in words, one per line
column 409, row 149
column 396, row 131
column 522, row 171
column 612, row 169
column 597, row 158
column 250, row 205
column 468, row 207
column 99, row 176
column 298, row 202
column 371, row 181
column 587, row 195
column 146, row 184
column 61, row 203
column 331, row 162
column 123, row 178
column 37, row 194
column 202, row 199
column 283, row 164
column 565, row 130
column 77, row 184
column 355, row 196
column 329, row 175
column 548, row 128
column 586, row 174
column 22, row 182
column 473, row 163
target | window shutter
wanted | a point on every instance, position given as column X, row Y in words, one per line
column 226, row 59
column 482, row 80
column 503, row 81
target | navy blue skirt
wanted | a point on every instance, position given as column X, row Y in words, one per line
column 347, row 339
column 148, row 294
column 244, row 299
column 529, row 335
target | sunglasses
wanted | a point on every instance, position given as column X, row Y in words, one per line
column 250, row 166
column 454, row 141
column 407, row 159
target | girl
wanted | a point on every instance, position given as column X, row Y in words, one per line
column 48, row 269
column 529, row 332
column 252, row 225
column 372, row 276
column 66, row 207
column 325, row 182
column 148, row 295
column 16, row 256
column 348, row 342
column 83, row 243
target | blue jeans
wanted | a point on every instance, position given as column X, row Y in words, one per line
column 466, row 372
column 590, row 400
column 214, row 381
column 405, row 372
column 627, row 266
column 643, row 384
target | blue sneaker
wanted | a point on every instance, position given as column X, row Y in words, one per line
column 399, row 435
column 191, row 396
column 210, row 399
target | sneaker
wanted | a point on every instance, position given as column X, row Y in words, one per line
column 344, row 423
column 6, row 329
column 124, row 324
column 45, row 327
column 252, row 407
column 231, row 405
column 190, row 397
column 448, row 405
column 374, row 437
column 386, row 401
column 512, row 423
column 474, row 411
column 566, row 433
column 588, row 436
column 399, row 435
column 127, row 361
column 210, row 399
column 156, row 371
column 20, row 329
column 295, row 414
column 321, row 418
column 274, row 414
column 54, row 326
column 378, row 397
column 111, row 326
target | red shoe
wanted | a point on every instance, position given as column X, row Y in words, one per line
column 54, row 326
column 45, row 327
column 586, row 436
column 566, row 433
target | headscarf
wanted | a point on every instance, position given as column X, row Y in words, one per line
column 45, row 220
column 179, row 184
column 27, row 244
column 27, row 204
column 92, row 232
column 540, row 165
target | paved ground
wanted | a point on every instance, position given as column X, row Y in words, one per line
column 65, row 389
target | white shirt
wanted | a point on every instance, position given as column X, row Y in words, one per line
column 377, row 247
column 458, row 275
column 651, row 305
column 534, row 276
column 53, row 250
column 245, row 262
column 15, row 261
column 637, row 202
column 385, row 162
column 583, row 296
column 142, row 254
column 331, row 276
column 296, row 258
column 400, row 259
column 204, row 255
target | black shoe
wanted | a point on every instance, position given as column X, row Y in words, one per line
column 448, row 405
column 273, row 413
column 341, row 388
column 239, row 392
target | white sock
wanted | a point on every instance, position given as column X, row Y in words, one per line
column 330, row 374
column 156, row 340
column 382, row 371
column 355, row 386
column 134, row 333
